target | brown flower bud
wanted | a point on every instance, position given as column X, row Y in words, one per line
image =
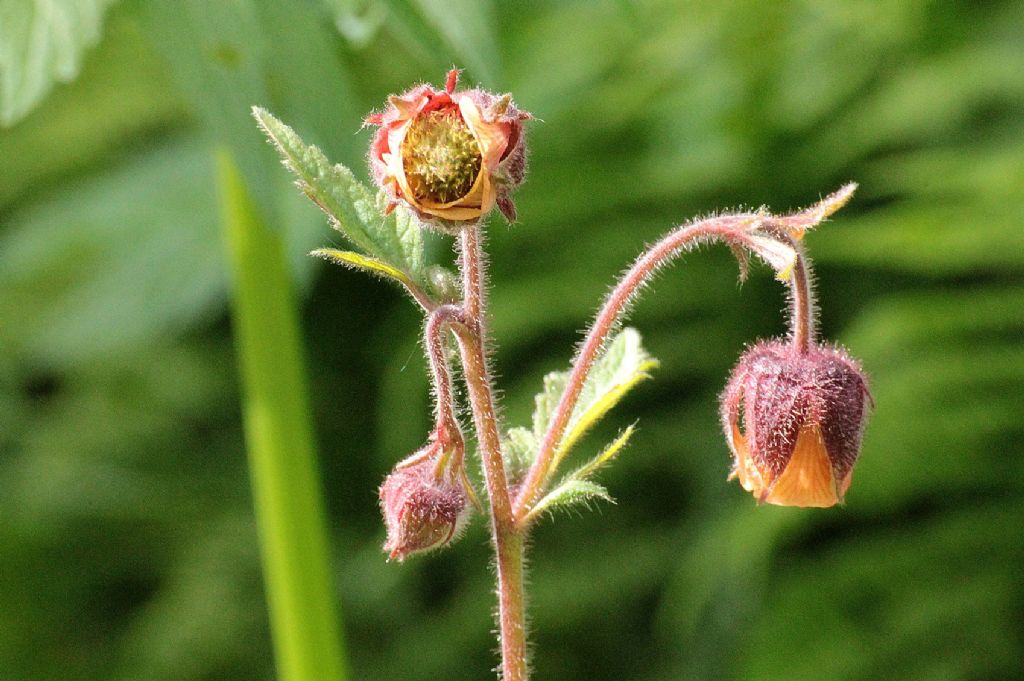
column 794, row 422
column 451, row 156
column 425, row 505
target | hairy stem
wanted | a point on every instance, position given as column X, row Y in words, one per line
column 509, row 542
column 438, row 323
column 731, row 228
column 802, row 303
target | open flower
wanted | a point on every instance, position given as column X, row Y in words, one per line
column 425, row 503
column 451, row 156
column 794, row 422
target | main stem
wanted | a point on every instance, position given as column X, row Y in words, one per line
column 509, row 542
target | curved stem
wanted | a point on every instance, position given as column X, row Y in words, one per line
column 509, row 542
column 802, row 303
column 731, row 228
column 438, row 322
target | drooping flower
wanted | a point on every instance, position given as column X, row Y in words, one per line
column 794, row 421
column 425, row 503
column 450, row 156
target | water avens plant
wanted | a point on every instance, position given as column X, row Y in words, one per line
column 793, row 411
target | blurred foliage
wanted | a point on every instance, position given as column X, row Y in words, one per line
column 127, row 544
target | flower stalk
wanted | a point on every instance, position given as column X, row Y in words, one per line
column 742, row 232
column 607, row 320
column 435, row 332
column 801, row 293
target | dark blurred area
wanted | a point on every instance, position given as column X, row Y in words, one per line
column 127, row 540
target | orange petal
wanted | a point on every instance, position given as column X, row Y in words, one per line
column 406, row 108
column 745, row 470
column 808, row 480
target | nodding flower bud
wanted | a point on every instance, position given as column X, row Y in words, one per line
column 451, row 156
column 424, row 502
column 794, row 422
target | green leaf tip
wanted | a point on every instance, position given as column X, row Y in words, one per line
column 606, row 454
column 361, row 262
column 571, row 492
column 576, row 488
column 393, row 242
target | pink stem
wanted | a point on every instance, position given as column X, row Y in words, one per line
column 731, row 228
column 508, row 540
column 438, row 323
column 801, row 295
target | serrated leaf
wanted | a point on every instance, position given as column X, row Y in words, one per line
column 623, row 364
column 42, row 43
column 570, row 493
column 394, row 240
column 575, row 488
column 400, row 233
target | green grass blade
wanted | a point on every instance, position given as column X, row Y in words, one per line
column 282, row 458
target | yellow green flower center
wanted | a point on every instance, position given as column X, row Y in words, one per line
column 441, row 157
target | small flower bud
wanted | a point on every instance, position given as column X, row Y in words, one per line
column 451, row 156
column 444, row 283
column 794, row 422
column 425, row 505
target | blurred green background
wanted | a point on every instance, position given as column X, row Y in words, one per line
column 127, row 540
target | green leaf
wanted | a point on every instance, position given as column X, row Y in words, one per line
column 82, row 125
column 519, row 448
column 114, row 261
column 547, row 400
column 606, row 455
column 574, row 488
column 362, row 262
column 571, row 492
column 622, row 365
column 42, row 43
column 394, row 240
